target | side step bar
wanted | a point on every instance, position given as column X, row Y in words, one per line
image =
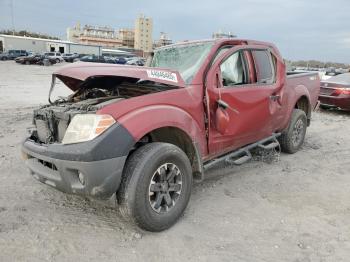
column 243, row 154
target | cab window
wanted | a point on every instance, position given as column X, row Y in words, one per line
column 233, row 70
column 264, row 67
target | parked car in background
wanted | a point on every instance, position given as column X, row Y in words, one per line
column 92, row 58
column 335, row 92
column 97, row 59
column 140, row 61
column 12, row 54
column 54, row 55
column 30, row 59
column 4, row 56
column 34, row 59
column 31, row 53
column 120, row 60
column 75, row 58
column 109, row 59
column 68, row 56
column 51, row 61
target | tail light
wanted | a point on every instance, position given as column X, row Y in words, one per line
column 341, row 91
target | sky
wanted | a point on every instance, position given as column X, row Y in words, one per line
column 301, row 29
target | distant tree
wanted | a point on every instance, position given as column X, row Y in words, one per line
column 27, row 33
column 319, row 64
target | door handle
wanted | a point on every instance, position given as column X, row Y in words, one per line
column 225, row 105
column 275, row 97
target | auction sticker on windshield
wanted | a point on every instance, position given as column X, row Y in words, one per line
column 162, row 75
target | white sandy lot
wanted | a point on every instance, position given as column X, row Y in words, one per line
column 295, row 209
column 27, row 85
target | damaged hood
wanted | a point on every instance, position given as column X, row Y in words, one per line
column 73, row 75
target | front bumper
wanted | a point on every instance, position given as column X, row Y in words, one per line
column 99, row 162
column 100, row 178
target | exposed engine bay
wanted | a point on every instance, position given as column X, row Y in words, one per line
column 52, row 120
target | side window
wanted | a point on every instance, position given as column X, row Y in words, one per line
column 232, row 70
column 264, row 67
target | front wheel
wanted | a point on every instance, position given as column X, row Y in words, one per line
column 57, row 61
column 292, row 139
column 156, row 186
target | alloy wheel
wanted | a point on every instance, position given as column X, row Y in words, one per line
column 165, row 188
column 298, row 132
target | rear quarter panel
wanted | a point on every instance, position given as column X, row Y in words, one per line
column 297, row 86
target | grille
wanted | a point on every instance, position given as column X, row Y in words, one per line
column 45, row 135
column 43, row 130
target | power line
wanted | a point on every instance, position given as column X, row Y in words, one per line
column 12, row 18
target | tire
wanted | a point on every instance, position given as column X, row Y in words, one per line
column 57, row 61
column 292, row 139
column 141, row 187
column 27, row 63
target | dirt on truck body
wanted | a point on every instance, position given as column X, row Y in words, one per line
column 145, row 133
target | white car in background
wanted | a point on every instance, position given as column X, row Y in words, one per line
column 54, row 55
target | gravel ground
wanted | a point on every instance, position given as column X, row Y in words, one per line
column 294, row 208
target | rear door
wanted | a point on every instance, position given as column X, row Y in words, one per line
column 242, row 97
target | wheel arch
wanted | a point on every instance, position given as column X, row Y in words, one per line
column 303, row 103
column 298, row 98
column 168, row 124
column 178, row 137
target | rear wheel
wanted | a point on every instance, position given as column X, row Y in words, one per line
column 292, row 139
column 156, row 186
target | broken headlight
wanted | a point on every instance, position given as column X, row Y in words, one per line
column 85, row 127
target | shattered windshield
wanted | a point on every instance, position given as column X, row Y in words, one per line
column 186, row 59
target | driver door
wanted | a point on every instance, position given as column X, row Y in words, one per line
column 243, row 95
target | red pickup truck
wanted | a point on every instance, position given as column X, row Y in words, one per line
column 143, row 134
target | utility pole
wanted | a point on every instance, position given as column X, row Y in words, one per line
column 12, row 18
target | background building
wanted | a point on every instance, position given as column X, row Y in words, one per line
column 138, row 39
column 73, row 33
column 41, row 45
column 163, row 40
column 127, row 36
column 94, row 35
column 143, row 33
